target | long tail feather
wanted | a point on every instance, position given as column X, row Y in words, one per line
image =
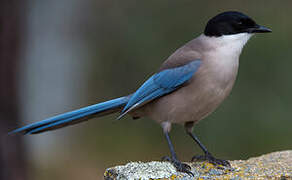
column 74, row 117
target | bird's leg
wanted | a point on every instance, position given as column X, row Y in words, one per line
column 208, row 156
column 173, row 159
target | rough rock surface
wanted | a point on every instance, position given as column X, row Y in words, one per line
column 277, row 165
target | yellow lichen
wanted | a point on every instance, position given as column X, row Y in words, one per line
column 173, row 177
column 107, row 173
column 207, row 166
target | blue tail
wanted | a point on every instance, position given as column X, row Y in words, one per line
column 74, row 117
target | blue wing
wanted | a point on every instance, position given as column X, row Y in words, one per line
column 161, row 84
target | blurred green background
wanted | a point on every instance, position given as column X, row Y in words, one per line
column 79, row 52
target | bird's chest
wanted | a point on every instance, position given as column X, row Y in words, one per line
column 210, row 86
column 206, row 90
column 219, row 71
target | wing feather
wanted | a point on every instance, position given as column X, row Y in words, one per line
column 160, row 84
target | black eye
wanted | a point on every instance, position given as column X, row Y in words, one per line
column 248, row 22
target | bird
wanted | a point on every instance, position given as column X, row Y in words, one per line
column 189, row 85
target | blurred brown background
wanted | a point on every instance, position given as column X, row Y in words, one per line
column 60, row 55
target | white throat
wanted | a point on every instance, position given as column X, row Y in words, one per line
column 235, row 41
column 222, row 54
column 228, row 44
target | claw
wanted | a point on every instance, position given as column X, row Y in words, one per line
column 166, row 158
column 208, row 157
column 181, row 167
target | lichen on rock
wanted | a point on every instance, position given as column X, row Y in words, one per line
column 277, row 165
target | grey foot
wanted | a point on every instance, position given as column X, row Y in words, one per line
column 208, row 157
column 181, row 167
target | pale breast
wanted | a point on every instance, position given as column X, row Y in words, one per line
column 210, row 85
column 201, row 96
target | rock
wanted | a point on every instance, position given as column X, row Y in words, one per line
column 277, row 165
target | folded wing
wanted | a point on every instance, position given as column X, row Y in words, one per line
column 160, row 84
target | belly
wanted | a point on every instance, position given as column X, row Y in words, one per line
column 192, row 102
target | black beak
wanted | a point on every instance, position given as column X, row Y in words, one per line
column 259, row 29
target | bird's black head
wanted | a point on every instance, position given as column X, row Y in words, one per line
column 232, row 22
